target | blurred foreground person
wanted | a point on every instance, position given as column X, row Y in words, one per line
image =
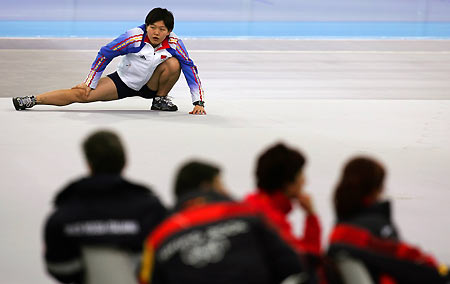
column 211, row 239
column 96, row 231
column 280, row 180
column 365, row 238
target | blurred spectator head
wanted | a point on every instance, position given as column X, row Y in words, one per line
column 195, row 176
column 104, row 152
column 360, row 185
column 279, row 168
column 160, row 14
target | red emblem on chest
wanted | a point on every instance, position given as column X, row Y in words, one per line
column 163, row 56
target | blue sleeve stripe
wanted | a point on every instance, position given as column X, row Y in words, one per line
column 197, row 80
column 94, row 70
column 127, row 42
column 181, row 45
column 182, row 52
column 97, row 64
column 117, row 44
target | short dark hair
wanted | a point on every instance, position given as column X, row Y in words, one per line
column 104, row 152
column 360, row 178
column 278, row 166
column 160, row 14
column 192, row 175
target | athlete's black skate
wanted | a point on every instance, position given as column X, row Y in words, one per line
column 21, row 103
column 163, row 104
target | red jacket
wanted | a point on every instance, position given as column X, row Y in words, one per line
column 276, row 207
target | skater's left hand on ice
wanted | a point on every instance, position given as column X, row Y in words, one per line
column 198, row 110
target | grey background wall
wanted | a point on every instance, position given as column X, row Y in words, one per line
column 230, row 10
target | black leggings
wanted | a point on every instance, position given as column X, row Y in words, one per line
column 123, row 91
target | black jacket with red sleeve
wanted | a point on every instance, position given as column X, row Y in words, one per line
column 218, row 241
column 371, row 237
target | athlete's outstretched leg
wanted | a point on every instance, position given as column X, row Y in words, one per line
column 162, row 80
column 105, row 91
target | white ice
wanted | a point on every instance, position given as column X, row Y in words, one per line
column 393, row 105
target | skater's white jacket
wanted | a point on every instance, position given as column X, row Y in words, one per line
column 141, row 59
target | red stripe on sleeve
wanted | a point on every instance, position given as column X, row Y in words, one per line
column 96, row 62
column 198, row 83
column 195, row 217
column 126, row 40
column 363, row 239
column 131, row 42
column 92, row 78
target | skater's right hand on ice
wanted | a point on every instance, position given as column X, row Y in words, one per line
column 84, row 87
column 306, row 203
column 200, row 110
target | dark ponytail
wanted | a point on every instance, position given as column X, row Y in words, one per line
column 360, row 179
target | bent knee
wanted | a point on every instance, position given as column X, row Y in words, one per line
column 172, row 65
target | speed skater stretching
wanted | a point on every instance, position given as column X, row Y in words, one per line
column 152, row 63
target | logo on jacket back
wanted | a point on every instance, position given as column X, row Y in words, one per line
column 98, row 228
column 200, row 248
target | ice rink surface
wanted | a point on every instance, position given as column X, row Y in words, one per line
column 332, row 99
